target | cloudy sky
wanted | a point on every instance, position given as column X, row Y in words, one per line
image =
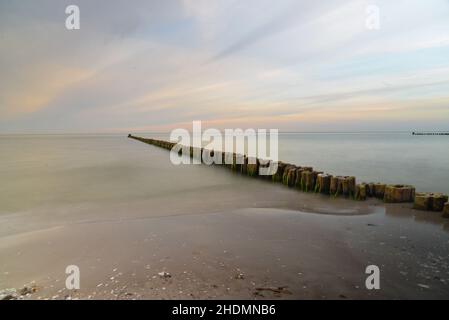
column 294, row 65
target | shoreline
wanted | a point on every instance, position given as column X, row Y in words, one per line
column 308, row 255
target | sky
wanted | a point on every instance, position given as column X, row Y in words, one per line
column 292, row 65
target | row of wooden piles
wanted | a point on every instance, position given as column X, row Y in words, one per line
column 309, row 180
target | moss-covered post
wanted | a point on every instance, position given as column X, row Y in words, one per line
column 277, row 177
column 333, row 188
column 323, row 183
column 438, row 201
column 399, row 193
column 285, row 174
column 422, row 201
column 379, row 190
column 252, row 167
column 360, row 191
column 289, row 176
column 298, row 174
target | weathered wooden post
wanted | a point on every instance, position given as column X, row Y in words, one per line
column 264, row 164
column 277, row 177
column 304, row 177
column 423, row 201
column 360, row 191
column 289, row 176
column 438, row 201
column 351, row 186
column 244, row 166
column 370, row 189
column 237, row 163
column 333, row 188
column 310, row 180
column 446, row 210
column 323, row 183
column 299, row 171
column 341, row 185
column 307, row 178
column 430, row 201
column 399, row 193
column 252, row 167
column 379, row 190
column 285, row 176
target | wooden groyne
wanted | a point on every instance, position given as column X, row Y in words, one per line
column 307, row 179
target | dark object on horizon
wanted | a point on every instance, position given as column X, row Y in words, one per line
column 427, row 133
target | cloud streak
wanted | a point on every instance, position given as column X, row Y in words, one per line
column 284, row 64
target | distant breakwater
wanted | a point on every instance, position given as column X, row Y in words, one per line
column 307, row 179
column 424, row 133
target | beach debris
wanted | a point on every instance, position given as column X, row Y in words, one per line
column 164, row 275
column 8, row 294
column 277, row 291
column 399, row 193
column 14, row 294
column 28, row 290
column 240, row 276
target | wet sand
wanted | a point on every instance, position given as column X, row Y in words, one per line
column 221, row 236
column 236, row 253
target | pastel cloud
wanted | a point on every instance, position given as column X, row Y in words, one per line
column 293, row 65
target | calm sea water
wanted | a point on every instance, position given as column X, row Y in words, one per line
column 39, row 170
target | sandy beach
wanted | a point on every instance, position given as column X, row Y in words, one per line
column 309, row 152
column 225, row 237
